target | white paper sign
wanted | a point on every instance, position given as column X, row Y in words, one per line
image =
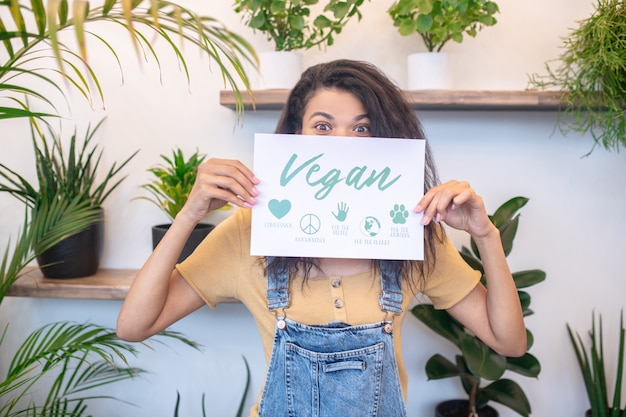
column 338, row 197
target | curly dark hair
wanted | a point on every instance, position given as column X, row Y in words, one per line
column 391, row 116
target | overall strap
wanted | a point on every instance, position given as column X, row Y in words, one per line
column 277, row 288
column 390, row 299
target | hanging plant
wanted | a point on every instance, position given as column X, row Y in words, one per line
column 591, row 74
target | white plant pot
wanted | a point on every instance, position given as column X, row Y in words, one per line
column 429, row 71
column 279, row 69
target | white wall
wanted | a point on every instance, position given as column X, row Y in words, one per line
column 573, row 227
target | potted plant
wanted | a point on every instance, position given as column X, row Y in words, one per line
column 437, row 22
column 58, row 354
column 476, row 361
column 169, row 191
column 591, row 75
column 34, row 31
column 70, row 176
column 593, row 370
column 292, row 26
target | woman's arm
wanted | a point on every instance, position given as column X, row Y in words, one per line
column 494, row 315
column 159, row 296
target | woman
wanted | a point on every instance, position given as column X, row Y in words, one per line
column 330, row 327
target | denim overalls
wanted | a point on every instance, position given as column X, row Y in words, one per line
column 333, row 370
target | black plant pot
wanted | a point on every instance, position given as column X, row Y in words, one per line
column 460, row 408
column 197, row 235
column 75, row 256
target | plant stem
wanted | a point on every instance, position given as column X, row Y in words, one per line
column 472, row 401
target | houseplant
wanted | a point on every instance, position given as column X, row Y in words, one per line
column 591, row 75
column 40, row 28
column 593, row 370
column 292, row 26
column 26, row 78
column 476, row 360
column 437, row 22
column 30, row 32
column 71, row 176
column 63, row 361
column 169, row 190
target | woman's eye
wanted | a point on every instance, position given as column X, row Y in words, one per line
column 322, row 126
column 362, row 129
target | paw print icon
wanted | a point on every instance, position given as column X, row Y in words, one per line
column 399, row 214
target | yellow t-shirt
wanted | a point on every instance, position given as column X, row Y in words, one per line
column 222, row 270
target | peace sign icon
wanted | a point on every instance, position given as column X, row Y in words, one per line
column 310, row 224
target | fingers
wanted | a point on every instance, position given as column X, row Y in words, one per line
column 229, row 181
column 218, row 182
column 440, row 200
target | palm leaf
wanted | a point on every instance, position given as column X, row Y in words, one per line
column 79, row 357
column 225, row 49
column 40, row 232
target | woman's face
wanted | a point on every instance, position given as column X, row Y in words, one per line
column 335, row 113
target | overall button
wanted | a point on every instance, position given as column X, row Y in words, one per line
column 281, row 324
column 336, row 283
column 338, row 303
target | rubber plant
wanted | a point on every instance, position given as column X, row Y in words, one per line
column 439, row 21
column 591, row 75
column 294, row 25
column 476, row 361
column 593, row 369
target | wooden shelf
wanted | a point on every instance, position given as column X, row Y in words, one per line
column 106, row 284
column 425, row 100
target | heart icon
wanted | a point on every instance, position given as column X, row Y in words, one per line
column 279, row 208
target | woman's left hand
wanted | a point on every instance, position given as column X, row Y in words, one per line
column 458, row 205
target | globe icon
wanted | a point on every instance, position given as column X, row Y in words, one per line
column 370, row 226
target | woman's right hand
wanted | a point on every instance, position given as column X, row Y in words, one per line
column 220, row 181
column 159, row 296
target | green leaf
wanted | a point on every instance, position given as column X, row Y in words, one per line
column 341, row 9
column 297, row 22
column 480, row 359
column 257, row 22
column 509, row 394
column 528, row 278
column 278, row 6
column 527, row 365
column 439, row 321
column 407, row 27
column 524, row 299
column 424, row 23
column 438, row 367
column 508, row 230
column 322, row 22
column 506, row 212
column 471, row 260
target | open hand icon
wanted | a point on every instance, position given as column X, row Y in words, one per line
column 342, row 211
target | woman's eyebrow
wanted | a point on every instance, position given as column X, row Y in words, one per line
column 323, row 114
column 331, row 117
